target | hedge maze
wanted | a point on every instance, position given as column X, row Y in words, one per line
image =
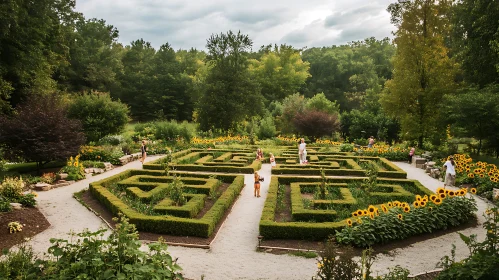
column 333, row 164
column 303, row 205
column 214, row 160
column 145, row 196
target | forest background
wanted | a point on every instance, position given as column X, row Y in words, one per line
column 437, row 77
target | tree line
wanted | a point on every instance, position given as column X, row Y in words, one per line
column 441, row 69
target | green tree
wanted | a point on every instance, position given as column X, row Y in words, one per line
column 423, row 71
column 33, row 43
column 99, row 115
column 476, row 112
column 320, row 103
column 280, row 72
column 230, row 95
column 291, row 106
column 476, row 40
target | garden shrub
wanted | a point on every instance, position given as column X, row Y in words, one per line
column 346, row 147
column 267, row 128
column 74, row 169
column 110, row 154
column 113, row 140
column 99, row 114
column 483, row 261
column 12, row 188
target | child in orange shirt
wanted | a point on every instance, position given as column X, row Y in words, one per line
column 257, row 185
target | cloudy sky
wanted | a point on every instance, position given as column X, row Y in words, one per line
column 188, row 23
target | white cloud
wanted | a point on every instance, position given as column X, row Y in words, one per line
column 185, row 24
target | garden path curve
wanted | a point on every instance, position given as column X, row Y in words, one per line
column 233, row 253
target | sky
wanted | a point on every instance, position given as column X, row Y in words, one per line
column 186, row 24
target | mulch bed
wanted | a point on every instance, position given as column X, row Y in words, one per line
column 33, row 223
column 96, row 206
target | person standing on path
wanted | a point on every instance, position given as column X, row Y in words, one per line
column 272, row 160
column 371, row 142
column 257, row 185
column 450, row 172
column 411, row 153
column 143, row 150
column 302, row 151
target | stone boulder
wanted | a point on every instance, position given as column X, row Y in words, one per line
column 495, row 194
column 43, row 186
column 16, row 206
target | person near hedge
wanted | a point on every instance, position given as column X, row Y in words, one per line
column 257, row 185
column 450, row 172
column 411, row 153
column 259, row 154
column 302, row 151
column 143, row 150
column 272, row 160
column 371, row 142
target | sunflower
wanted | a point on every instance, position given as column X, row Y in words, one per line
column 371, row 209
column 365, row 212
column 442, row 195
column 422, row 203
column 354, row 214
column 418, row 197
column 471, row 175
column 451, row 193
column 416, row 204
column 407, row 209
column 438, row 201
column 390, row 205
column 473, row 190
column 430, row 208
column 383, row 207
column 432, row 197
column 349, row 222
column 396, row 204
column 371, row 215
column 360, row 212
column 462, row 192
column 359, row 221
column 404, row 204
column 400, row 216
column 440, row 190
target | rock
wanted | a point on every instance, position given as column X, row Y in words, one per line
column 42, row 187
column 16, row 206
column 89, row 170
column 431, row 163
column 428, row 169
column 495, row 194
column 60, row 184
column 108, row 166
column 62, row 176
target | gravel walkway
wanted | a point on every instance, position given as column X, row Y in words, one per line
column 233, row 254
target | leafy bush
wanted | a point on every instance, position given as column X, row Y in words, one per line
column 48, row 178
column 99, row 114
column 113, row 140
column 27, row 200
column 267, row 128
column 483, row 262
column 316, row 123
column 110, row 154
column 95, row 164
column 5, row 205
column 165, row 130
column 346, row 147
column 92, row 257
column 12, row 188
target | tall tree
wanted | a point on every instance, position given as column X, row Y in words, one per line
column 33, row 43
column 423, row 72
column 280, row 72
column 476, row 40
column 230, row 95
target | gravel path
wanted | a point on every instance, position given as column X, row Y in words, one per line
column 233, row 254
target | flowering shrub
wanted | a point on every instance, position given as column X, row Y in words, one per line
column 221, row 140
column 481, row 175
column 48, row 178
column 110, row 154
column 74, row 168
column 326, row 142
column 391, row 153
column 12, row 187
column 281, row 140
column 398, row 220
column 15, row 227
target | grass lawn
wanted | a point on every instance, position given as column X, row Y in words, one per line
column 28, row 167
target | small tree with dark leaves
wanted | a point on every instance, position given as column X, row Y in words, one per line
column 40, row 132
column 316, row 124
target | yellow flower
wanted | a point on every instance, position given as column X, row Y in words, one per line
column 354, row 214
column 416, row 204
column 400, row 216
column 349, row 222
column 473, row 190
column 407, row 209
column 371, row 209
column 383, row 207
column 438, row 201
column 422, row 203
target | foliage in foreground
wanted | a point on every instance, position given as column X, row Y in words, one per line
column 11, row 190
column 483, row 261
column 89, row 256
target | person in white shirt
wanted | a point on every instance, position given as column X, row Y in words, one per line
column 302, row 151
column 450, row 172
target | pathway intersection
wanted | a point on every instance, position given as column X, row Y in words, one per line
column 233, row 253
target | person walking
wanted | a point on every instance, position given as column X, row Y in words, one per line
column 257, row 185
column 302, row 151
column 143, row 150
column 450, row 172
column 272, row 160
column 411, row 153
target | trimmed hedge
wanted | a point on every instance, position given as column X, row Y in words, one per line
column 167, row 224
column 189, row 210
